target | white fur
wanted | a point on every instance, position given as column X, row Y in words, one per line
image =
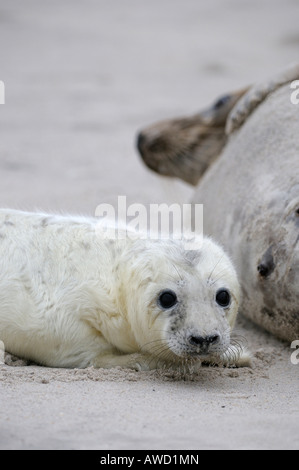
column 69, row 297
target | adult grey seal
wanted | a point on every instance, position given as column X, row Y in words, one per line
column 251, row 201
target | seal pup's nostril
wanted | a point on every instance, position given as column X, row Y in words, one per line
column 140, row 141
column 196, row 340
column 203, row 341
column 212, row 339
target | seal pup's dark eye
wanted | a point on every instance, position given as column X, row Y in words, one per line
column 167, row 299
column 223, row 298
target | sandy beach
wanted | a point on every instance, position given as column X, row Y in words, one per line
column 81, row 78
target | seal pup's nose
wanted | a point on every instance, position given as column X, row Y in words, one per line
column 203, row 342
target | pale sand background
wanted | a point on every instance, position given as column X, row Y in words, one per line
column 81, row 79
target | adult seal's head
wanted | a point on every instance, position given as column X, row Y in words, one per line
column 186, row 147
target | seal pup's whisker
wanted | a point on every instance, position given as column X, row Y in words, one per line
column 159, row 356
column 176, row 269
column 217, row 263
column 151, row 342
column 169, row 275
column 217, row 278
column 157, row 348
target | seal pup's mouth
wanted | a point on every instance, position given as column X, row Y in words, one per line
column 194, row 346
column 217, row 348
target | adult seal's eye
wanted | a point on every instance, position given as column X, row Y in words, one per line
column 221, row 102
column 167, row 299
column 223, row 298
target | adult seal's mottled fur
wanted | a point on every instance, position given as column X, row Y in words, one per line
column 251, row 201
column 72, row 297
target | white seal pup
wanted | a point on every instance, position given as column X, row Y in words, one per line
column 71, row 297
